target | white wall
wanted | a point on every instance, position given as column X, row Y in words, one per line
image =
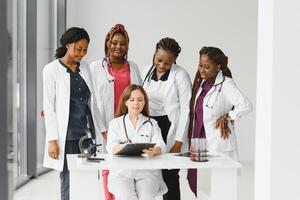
column 277, row 164
column 45, row 54
column 286, row 107
column 229, row 25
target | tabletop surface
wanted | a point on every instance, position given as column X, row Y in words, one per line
column 163, row 161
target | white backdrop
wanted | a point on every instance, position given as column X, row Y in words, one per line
column 230, row 25
column 277, row 164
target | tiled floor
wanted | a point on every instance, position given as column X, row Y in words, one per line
column 46, row 187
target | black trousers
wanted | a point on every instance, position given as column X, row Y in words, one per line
column 171, row 177
column 71, row 147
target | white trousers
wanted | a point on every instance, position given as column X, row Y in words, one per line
column 124, row 188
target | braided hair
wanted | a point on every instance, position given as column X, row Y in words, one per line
column 73, row 34
column 217, row 56
column 168, row 44
column 116, row 29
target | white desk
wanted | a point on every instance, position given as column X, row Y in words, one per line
column 85, row 182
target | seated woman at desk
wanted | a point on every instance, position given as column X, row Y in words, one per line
column 133, row 124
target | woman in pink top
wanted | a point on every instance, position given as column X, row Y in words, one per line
column 113, row 73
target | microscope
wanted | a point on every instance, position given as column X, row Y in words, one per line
column 87, row 144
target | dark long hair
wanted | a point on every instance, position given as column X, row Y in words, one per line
column 122, row 108
column 217, row 56
column 71, row 35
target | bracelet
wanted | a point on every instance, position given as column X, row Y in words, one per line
column 228, row 117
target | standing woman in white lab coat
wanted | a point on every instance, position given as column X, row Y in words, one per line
column 168, row 87
column 68, row 101
column 111, row 75
column 133, row 124
column 216, row 104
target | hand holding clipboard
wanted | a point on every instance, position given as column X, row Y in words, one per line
column 134, row 149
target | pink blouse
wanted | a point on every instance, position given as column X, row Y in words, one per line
column 121, row 81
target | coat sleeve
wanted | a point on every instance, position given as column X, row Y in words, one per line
column 113, row 137
column 97, row 106
column 241, row 103
column 157, row 137
column 137, row 72
column 49, row 98
column 183, row 84
column 97, row 116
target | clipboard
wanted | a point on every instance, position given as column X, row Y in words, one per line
column 134, row 149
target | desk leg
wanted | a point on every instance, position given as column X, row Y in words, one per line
column 85, row 185
column 223, row 184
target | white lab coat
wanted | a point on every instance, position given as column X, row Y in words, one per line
column 219, row 100
column 176, row 103
column 56, row 103
column 144, row 133
column 104, row 88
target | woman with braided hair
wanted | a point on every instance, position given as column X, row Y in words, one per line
column 215, row 104
column 113, row 73
column 168, row 87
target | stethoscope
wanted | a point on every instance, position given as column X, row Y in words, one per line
column 87, row 144
column 210, row 94
column 147, row 121
column 110, row 78
column 149, row 74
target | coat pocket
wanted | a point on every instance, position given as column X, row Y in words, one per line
column 228, row 144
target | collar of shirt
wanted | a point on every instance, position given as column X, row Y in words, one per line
column 68, row 69
column 130, row 128
column 124, row 67
column 164, row 77
column 207, row 85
